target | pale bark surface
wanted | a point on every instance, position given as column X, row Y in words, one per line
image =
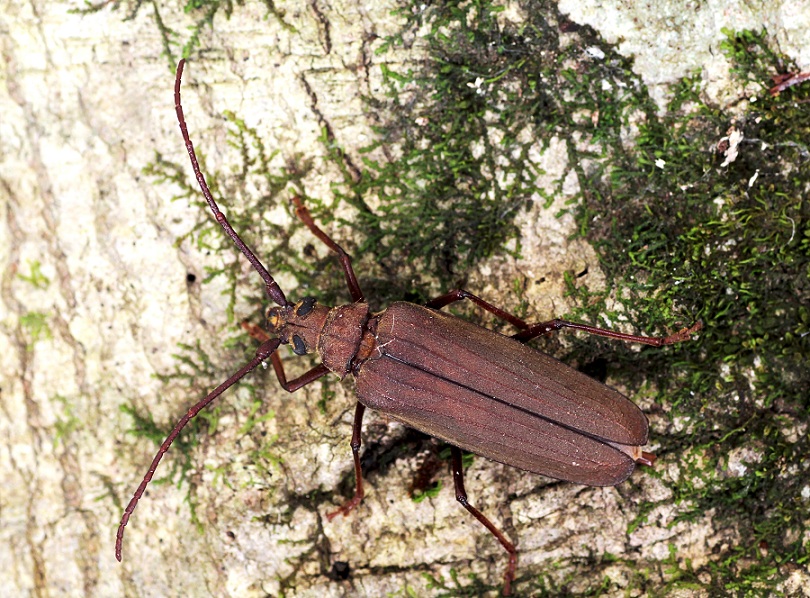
column 85, row 103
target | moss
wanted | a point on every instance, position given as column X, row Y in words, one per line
column 36, row 278
column 726, row 244
column 681, row 235
column 454, row 587
column 36, row 327
column 66, row 422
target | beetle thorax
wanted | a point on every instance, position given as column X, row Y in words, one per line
column 334, row 333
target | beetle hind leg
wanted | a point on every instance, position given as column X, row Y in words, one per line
column 544, row 328
column 359, row 493
column 461, row 496
column 529, row 332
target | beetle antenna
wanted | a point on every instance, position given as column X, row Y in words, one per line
column 265, row 350
column 271, row 286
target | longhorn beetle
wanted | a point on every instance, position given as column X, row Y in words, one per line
column 471, row 387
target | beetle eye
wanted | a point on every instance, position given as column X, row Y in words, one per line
column 273, row 318
column 305, row 306
column 299, row 348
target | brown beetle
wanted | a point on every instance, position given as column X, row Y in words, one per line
column 471, row 387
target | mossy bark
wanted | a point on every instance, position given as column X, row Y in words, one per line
column 97, row 293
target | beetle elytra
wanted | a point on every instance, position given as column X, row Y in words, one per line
column 471, row 387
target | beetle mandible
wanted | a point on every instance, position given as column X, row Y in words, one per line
column 473, row 388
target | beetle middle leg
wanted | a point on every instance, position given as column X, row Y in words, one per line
column 310, row 376
column 357, row 295
column 302, row 380
column 461, row 496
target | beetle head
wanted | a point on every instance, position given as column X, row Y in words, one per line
column 299, row 324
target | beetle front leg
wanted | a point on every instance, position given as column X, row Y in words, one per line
column 303, row 380
column 461, row 496
column 345, row 260
column 317, row 372
column 359, row 493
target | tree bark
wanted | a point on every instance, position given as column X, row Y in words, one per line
column 95, row 296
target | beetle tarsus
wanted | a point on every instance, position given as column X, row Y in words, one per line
column 345, row 508
column 646, row 459
column 683, row 335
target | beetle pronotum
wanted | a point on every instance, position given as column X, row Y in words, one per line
column 475, row 389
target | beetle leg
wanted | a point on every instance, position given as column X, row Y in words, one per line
column 293, row 385
column 528, row 332
column 460, row 294
column 656, row 341
column 255, row 332
column 317, row 372
column 359, row 493
column 461, row 496
column 345, row 259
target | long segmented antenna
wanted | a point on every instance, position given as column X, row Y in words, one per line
column 271, row 286
column 265, row 350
